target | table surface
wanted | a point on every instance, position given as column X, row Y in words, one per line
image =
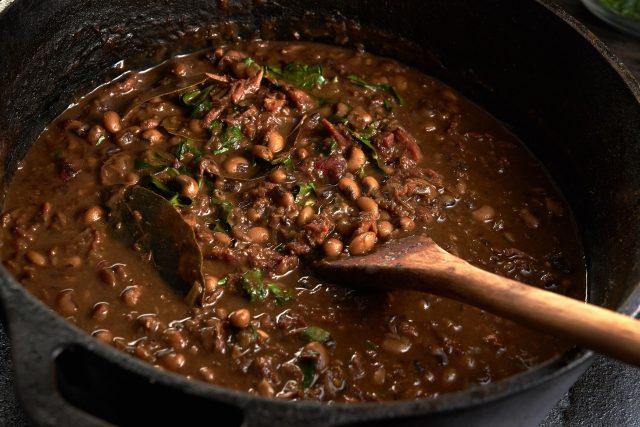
column 608, row 394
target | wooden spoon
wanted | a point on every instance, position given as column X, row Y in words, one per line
column 418, row 263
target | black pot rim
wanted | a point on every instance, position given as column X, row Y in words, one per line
column 474, row 396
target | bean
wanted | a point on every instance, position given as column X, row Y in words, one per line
column 207, row 374
column 151, row 123
column 173, row 361
column 127, row 136
column 100, row 311
column 362, row 243
column 321, row 355
column 258, row 235
column 210, row 283
column 95, row 133
column 342, row 109
column 385, row 229
column 131, row 295
column 112, row 121
column 370, row 184
column 262, row 335
column 275, row 141
column 154, row 136
column 103, row 335
column 180, row 69
column 36, row 258
column 349, row 187
column 108, row 277
column 222, row 238
column 484, row 213
column 530, row 219
column 236, row 164
column 264, row 388
column 357, row 159
column 286, row 199
column 240, row 318
column 379, row 376
column 149, row 323
column 302, row 153
column 277, row 176
column 65, row 302
column 141, row 351
column 359, row 117
column 407, row 224
column 188, row 186
column 304, row 216
column 93, row 214
column 262, row 152
column 332, row 248
column 174, row 339
column 396, row 344
column 367, row 204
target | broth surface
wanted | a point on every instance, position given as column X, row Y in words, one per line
column 277, row 154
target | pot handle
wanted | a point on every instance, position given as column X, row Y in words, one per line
column 36, row 336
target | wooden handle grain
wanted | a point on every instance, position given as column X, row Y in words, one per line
column 594, row 327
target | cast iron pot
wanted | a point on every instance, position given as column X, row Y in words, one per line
column 526, row 62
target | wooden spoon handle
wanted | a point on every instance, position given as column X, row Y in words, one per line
column 597, row 328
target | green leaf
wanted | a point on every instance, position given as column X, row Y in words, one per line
column 250, row 62
column 101, row 140
column 215, row 126
column 197, row 99
column 304, row 76
column 626, row 8
column 229, row 140
column 364, row 137
column 303, row 190
column 253, row 285
column 159, row 187
column 224, row 209
column 315, row 333
column 186, row 147
column 375, row 87
column 308, row 368
column 388, row 105
column 282, row 296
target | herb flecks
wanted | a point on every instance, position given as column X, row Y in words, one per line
column 377, row 87
column 301, row 75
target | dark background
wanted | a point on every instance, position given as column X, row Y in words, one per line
column 608, row 394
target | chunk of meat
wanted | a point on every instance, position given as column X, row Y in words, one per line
column 115, row 169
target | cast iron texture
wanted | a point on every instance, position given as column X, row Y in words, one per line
column 521, row 62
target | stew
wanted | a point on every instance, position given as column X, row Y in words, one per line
column 278, row 154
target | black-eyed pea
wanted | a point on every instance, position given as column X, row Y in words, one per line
column 367, row 204
column 275, row 141
column 92, row 214
column 66, row 303
column 131, row 295
column 305, row 215
column 332, row 248
column 370, row 184
column 349, row 187
column 277, row 176
column 259, row 235
column 357, row 159
column 362, row 243
column 262, row 152
column 188, row 186
column 240, row 318
column 112, row 121
column 36, row 258
column 236, row 164
column 484, row 213
column 385, row 229
column 154, row 136
column 407, row 223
